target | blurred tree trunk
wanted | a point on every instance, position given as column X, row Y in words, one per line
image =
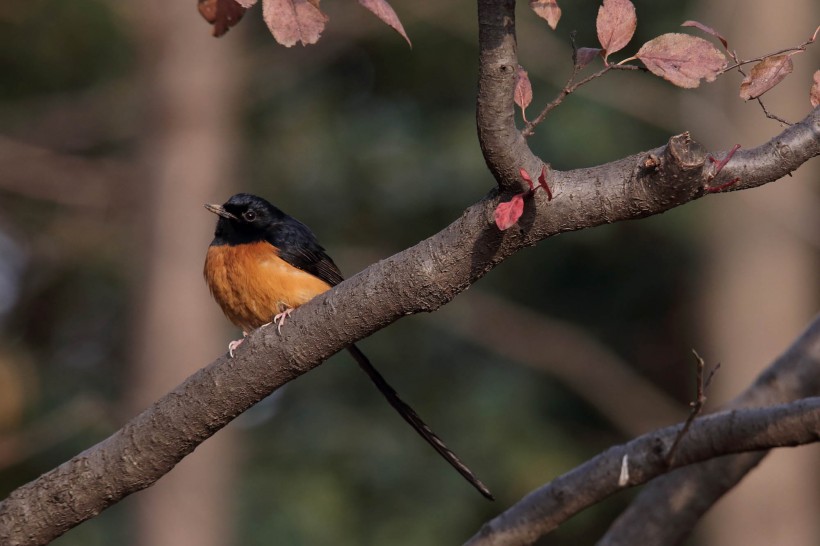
column 761, row 286
column 188, row 154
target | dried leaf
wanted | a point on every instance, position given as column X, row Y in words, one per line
column 523, row 91
column 765, row 75
column 222, row 14
column 814, row 94
column 507, row 214
column 385, row 12
column 708, row 30
column 586, row 55
column 682, row 59
column 616, row 24
column 547, row 9
column 294, row 21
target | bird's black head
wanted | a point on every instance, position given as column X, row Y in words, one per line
column 244, row 218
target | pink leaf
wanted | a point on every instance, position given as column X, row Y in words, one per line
column 525, row 176
column 385, row 12
column 294, row 21
column 616, row 24
column 507, row 214
column 547, row 9
column 523, row 91
column 708, row 30
column 814, row 94
column 586, row 55
column 542, row 181
column 765, row 75
column 682, row 59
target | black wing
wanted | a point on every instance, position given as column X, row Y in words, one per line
column 298, row 246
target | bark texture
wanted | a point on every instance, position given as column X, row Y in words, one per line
column 419, row 279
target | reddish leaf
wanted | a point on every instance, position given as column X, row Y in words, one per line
column 616, row 24
column 222, row 14
column 682, row 59
column 708, row 30
column 765, row 75
column 542, row 181
column 507, row 214
column 547, row 9
column 814, row 94
column 294, row 21
column 523, row 91
column 525, row 176
column 586, row 55
column 385, row 12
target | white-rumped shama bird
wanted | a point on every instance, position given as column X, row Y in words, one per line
column 263, row 263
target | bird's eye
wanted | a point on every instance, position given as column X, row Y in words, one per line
column 249, row 215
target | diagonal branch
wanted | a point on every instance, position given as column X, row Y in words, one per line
column 419, row 279
column 667, row 510
column 733, row 431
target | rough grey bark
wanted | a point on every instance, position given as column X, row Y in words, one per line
column 421, row 278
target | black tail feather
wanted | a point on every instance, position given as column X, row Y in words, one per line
column 415, row 421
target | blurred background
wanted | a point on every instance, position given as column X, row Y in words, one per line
column 119, row 120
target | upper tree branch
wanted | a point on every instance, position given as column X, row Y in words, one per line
column 421, row 278
column 504, row 147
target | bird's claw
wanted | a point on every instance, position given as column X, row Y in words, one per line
column 236, row 343
column 279, row 319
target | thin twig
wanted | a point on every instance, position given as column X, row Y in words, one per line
column 568, row 89
column 696, row 405
column 770, row 115
column 739, row 63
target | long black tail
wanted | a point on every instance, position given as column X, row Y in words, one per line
column 415, row 421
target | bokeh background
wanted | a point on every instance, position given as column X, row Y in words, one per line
column 119, row 120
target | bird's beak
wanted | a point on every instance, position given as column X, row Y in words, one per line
column 220, row 210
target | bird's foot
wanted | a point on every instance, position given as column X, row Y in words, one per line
column 279, row 319
column 236, row 343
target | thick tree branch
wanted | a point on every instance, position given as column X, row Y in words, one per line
column 421, row 278
column 733, row 431
column 505, row 148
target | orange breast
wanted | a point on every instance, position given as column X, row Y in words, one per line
column 252, row 283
